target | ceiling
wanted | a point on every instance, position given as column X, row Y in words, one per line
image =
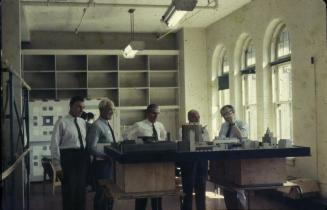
column 104, row 16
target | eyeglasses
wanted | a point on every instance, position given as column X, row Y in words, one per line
column 227, row 113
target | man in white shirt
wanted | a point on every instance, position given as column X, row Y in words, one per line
column 231, row 128
column 69, row 154
column 194, row 173
column 152, row 128
column 99, row 135
column 148, row 127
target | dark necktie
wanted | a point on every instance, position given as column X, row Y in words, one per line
column 79, row 134
column 112, row 133
column 155, row 134
column 229, row 130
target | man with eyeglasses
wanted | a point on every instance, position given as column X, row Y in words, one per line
column 99, row 135
column 231, row 128
column 152, row 128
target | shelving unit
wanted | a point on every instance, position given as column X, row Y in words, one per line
column 140, row 62
column 151, row 77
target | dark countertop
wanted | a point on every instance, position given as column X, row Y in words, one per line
column 175, row 156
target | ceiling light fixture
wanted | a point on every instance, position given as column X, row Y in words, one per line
column 177, row 10
column 134, row 46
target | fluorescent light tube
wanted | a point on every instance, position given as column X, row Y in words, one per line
column 176, row 11
column 175, row 18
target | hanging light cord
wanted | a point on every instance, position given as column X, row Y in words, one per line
column 131, row 12
column 84, row 12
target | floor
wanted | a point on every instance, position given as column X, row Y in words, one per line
column 43, row 199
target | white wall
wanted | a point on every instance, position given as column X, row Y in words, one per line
column 193, row 74
column 306, row 22
column 93, row 40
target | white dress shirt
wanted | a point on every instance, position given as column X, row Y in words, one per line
column 205, row 134
column 65, row 136
column 225, row 126
column 144, row 128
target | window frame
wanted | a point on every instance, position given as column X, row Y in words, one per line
column 278, row 62
column 247, row 69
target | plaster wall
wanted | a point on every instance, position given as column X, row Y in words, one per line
column 306, row 23
column 93, row 40
column 194, row 79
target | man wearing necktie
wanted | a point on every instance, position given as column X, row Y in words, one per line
column 231, row 128
column 152, row 128
column 99, row 135
column 69, row 154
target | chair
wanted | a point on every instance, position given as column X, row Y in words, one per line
column 55, row 179
column 49, row 169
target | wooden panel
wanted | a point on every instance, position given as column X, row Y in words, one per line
column 249, row 171
column 112, row 191
column 217, row 171
column 256, row 171
column 149, row 177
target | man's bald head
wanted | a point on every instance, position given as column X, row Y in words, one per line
column 193, row 116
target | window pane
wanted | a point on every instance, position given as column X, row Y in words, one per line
column 225, row 64
column 244, row 89
column 282, row 93
column 250, row 103
column 224, row 97
column 227, row 96
column 274, row 84
column 284, row 121
column 283, row 46
column 284, row 82
column 250, row 55
column 249, row 93
column 252, row 89
column 251, row 120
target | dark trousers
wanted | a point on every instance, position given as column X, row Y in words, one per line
column 194, row 176
column 140, row 203
column 74, row 164
column 102, row 170
column 231, row 200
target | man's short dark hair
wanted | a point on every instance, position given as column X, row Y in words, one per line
column 90, row 116
column 75, row 99
column 227, row 106
column 84, row 115
column 151, row 107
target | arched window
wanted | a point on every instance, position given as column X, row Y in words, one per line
column 249, row 96
column 282, row 82
column 224, row 93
